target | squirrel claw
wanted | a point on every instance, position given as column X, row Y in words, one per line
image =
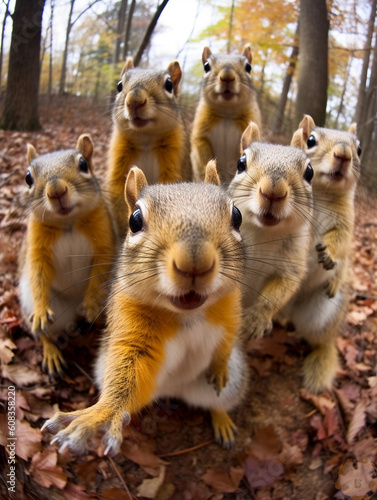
column 324, row 258
column 224, row 428
column 52, row 358
column 218, row 380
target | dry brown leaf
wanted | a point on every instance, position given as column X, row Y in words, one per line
column 222, row 481
column 45, row 470
column 28, row 440
column 321, row 402
column 265, row 443
column 262, row 474
column 6, row 350
column 140, row 451
column 149, row 487
column 21, row 375
column 357, row 479
column 357, row 422
column 76, row 492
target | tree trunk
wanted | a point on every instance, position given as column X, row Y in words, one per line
column 149, row 32
column 120, row 29
column 341, row 104
column 313, row 61
column 229, row 44
column 21, row 111
column 2, row 40
column 51, row 52
column 279, row 113
column 360, row 107
column 128, row 29
column 65, row 53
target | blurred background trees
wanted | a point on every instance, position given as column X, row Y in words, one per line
column 313, row 57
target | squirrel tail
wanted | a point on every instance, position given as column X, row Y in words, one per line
column 320, row 367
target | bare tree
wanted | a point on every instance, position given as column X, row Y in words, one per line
column 313, row 61
column 128, row 29
column 280, row 109
column 21, row 111
column 122, row 14
column 7, row 13
column 70, row 25
column 149, row 32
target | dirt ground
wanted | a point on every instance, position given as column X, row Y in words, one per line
column 291, row 444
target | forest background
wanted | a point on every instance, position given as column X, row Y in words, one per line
column 310, row 56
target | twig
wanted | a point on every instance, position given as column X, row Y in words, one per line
column 308, row 415
column 115, row 468
column 84, row 372
column 187, row 450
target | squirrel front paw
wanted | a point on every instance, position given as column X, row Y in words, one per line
column 52, row 358
column 40, row 319
column 255, row 326
column 324, row 257
column 82, row 425
column 218, row 377
column 94, row 304
column 332, row 287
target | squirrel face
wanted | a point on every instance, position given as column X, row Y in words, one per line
column 184, row 246
column 334, row 155
column 272, row 186
column 147, row 99
column 61, row 184
column 227, row 81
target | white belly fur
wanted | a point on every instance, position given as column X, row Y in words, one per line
column 148, row 163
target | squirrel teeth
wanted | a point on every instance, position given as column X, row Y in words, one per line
column 190, row 300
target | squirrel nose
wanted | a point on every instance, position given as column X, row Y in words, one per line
column 227, row 78
column 136, row 104
column 271, row 196
column 56, row 192
column 193, row 270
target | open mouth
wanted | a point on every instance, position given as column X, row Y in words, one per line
column 139, row 122
column 268, row 219
column 227, row 95
column 63, row 210
column 190, row 300
column 337, row 175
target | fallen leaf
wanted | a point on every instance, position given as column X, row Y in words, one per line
column 357, row 479
column 21, row 375
column 45, row 470
column 262, row 474
column 321, row 402
column 223, row 481
column 357, row 422
column 28, row 440
column 149, row 487
column 6, row 348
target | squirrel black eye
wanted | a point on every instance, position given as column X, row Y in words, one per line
column 359, row 150
column 136, row 221
column 168, row 85
column 241, row 164
column 29, row 179
column 120, row 86
column 248, row 67
column 309, row 172
column 236, row 218
column 207, row 67
column 83, row 165
column 311, row 142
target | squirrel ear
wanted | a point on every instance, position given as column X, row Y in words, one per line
column 85, row 146
column 297, row 140
column 250, row 134
column 135, row 182
column 31, row 153
column 211, row 175
column 307, row 124
column 206, row 54
column 129, row 64
column 176, row 74
column 246, row 51
column 353, row 128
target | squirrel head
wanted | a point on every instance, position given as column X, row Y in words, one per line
column 272, row 186
column 334, row 155
column 183, row 241
column 61, row 184
column 147, row 100
column 227, row 79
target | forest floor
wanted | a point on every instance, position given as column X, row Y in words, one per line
column 291, row 444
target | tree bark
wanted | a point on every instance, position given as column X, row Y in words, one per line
column 360, row 107
column 2, row 40
column 149, row 32
column 120, row 29
column 279, row 113
column 65, row 52
column 21, row 111
column 313, row 61
column 128, row 29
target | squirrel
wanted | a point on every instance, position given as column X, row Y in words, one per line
column 227, row 104
column 272, row 189
column 174, row 316
column 65, row 259
column 318, row 310
column 148, row 130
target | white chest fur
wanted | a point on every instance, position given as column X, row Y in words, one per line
column 148, row 163
column 73, row 255
column 187, row 355
column 225, row 139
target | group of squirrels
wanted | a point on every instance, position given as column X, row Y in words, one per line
column 214, row 238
